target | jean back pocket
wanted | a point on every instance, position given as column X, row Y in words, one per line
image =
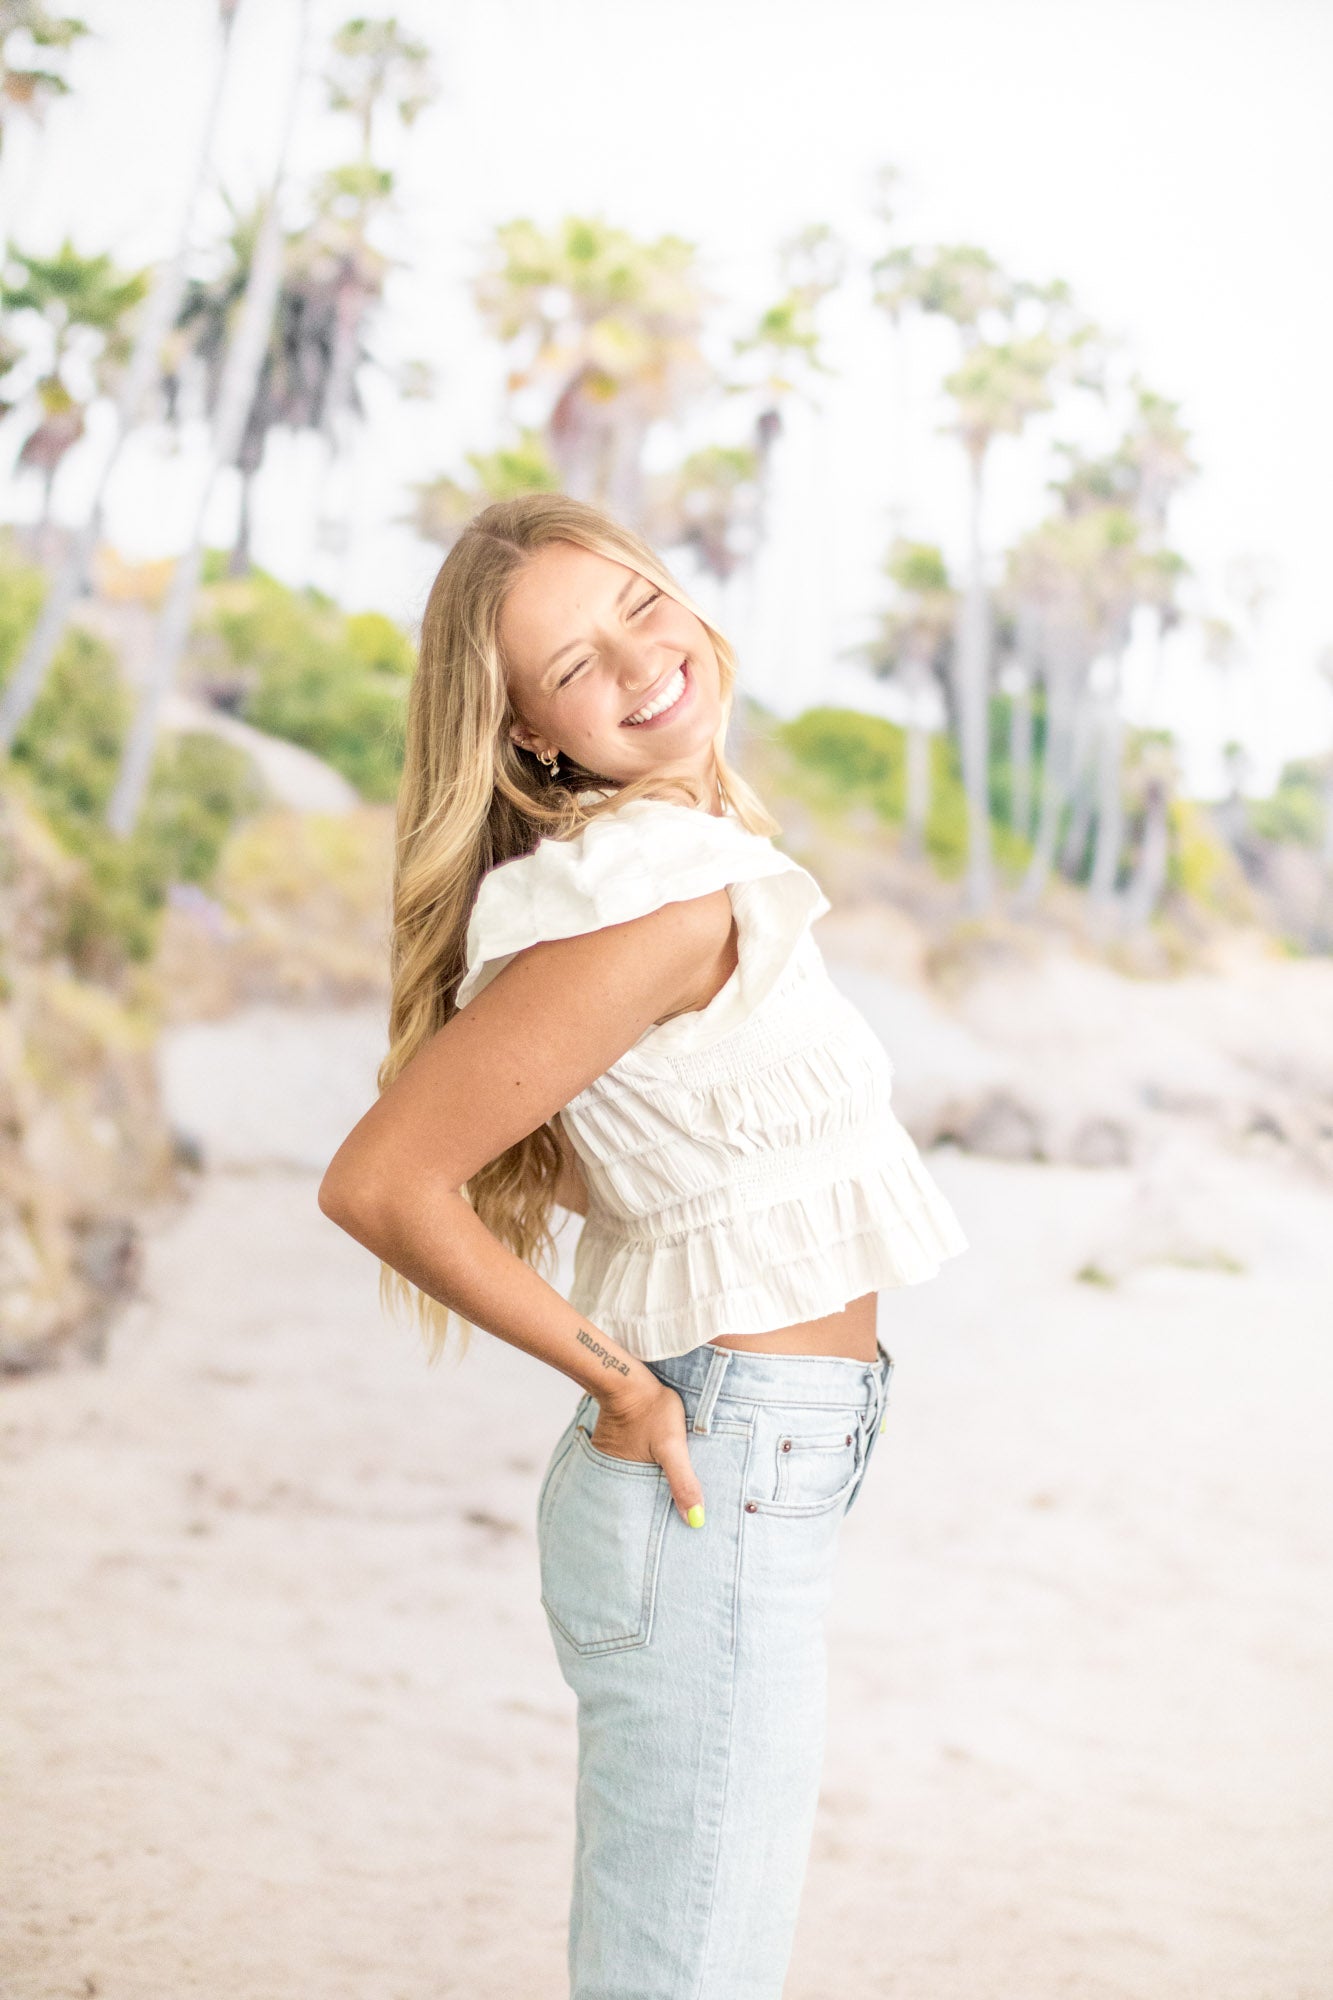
column 599, row 1539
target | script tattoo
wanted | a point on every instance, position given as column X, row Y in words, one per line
column 607, row 1360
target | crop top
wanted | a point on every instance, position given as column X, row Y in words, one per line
column 745, row 1169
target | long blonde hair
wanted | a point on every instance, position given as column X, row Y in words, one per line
column 471, row 798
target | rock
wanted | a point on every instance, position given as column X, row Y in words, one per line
column 83, row 1141
column 1000, row 1126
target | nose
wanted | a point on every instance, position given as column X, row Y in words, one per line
column 638, row 677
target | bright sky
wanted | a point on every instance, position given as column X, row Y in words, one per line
column 1171, row 159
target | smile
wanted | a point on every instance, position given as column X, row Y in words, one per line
column 662, row 704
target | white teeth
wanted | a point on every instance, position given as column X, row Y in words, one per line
column 669, row 696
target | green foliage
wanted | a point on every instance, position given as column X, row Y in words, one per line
column 849, row 759
column 861, row 757
column 380, row 645
column 917, row 567
column 1200, row 864
column 26, row 89
column 66, row 758
column 1295, row 812
column 70, row 743
column 443, row 507
column 334, row 683
column 200, row 787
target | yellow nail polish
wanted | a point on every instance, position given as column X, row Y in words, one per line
column 695, row 1517
column 882, row 1422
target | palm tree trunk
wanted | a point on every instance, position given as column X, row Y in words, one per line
column 1110, row 806
column 160, row 310
column 1081, row 769
column 918, row 791
column 1020, row 759
column 245, row 358
column 1146, row 884
column 1058, row 675
column 238, row 563
column 971, row 666
column 1321, row 928
column 916, row 805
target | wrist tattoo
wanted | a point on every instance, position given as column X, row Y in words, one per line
column 607, row 1360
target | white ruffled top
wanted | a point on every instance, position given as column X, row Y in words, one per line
column 745, row 1168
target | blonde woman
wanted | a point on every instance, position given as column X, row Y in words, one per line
column 607, row 996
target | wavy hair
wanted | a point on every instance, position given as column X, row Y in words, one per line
column 471, row 798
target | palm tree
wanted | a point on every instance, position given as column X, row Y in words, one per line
column 711, row 504
column 894, row 303
column 244, row 361
column 1000, row 383
column 1132, row 489
column 333, row 274
column 151, row 329
column 1018, row 629
column 913, row 647
column 376, row 66
column 73, row 297
column 612, row 331
column 786, row 341
column 294, row 389
column 1153, row 775
column 1224, row 652
column 443, row 507
column 25, row 91
column 375, row 69
column 715, row 501
column 1077, row 574
column 998, row 386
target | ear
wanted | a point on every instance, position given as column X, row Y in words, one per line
column 526, row 740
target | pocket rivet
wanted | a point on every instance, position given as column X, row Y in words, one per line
column 786, row 1444
column 848, row 1438
column 751, row 1507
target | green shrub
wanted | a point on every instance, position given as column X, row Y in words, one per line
column 860, row 758
column 66, row 758
column 336, row 684
column 1295, row 812
column 849, row 759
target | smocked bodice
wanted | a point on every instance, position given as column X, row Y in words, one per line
column 745, row 1167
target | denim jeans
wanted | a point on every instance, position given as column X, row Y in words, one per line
column 698, row 1659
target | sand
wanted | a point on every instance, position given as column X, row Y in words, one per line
column 279, row 1713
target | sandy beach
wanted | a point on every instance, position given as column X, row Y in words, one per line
column 280, row 1714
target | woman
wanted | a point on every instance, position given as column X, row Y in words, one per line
column 606, row 995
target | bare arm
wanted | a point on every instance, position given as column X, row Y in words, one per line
column 555, row 1019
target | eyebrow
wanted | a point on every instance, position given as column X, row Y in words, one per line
column 570, row 644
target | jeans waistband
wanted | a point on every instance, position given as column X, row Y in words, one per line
column 710, row 1372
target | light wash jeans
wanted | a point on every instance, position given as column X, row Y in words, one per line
column 698, row 1659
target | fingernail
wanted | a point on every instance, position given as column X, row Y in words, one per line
column 882, row 1422
column 695, row 1517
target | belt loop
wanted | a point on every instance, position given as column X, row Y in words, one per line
column 885, row 1377
column 717, row 1368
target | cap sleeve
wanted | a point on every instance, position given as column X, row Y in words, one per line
column 623, row 864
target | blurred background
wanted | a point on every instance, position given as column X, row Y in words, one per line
column 968, row 365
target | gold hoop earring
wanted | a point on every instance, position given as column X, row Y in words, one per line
column 552, row 763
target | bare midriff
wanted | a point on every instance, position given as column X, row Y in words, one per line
column 850, row 1333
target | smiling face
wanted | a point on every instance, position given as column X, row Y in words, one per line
column 590, row 646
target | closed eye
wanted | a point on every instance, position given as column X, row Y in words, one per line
column 566, row 678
